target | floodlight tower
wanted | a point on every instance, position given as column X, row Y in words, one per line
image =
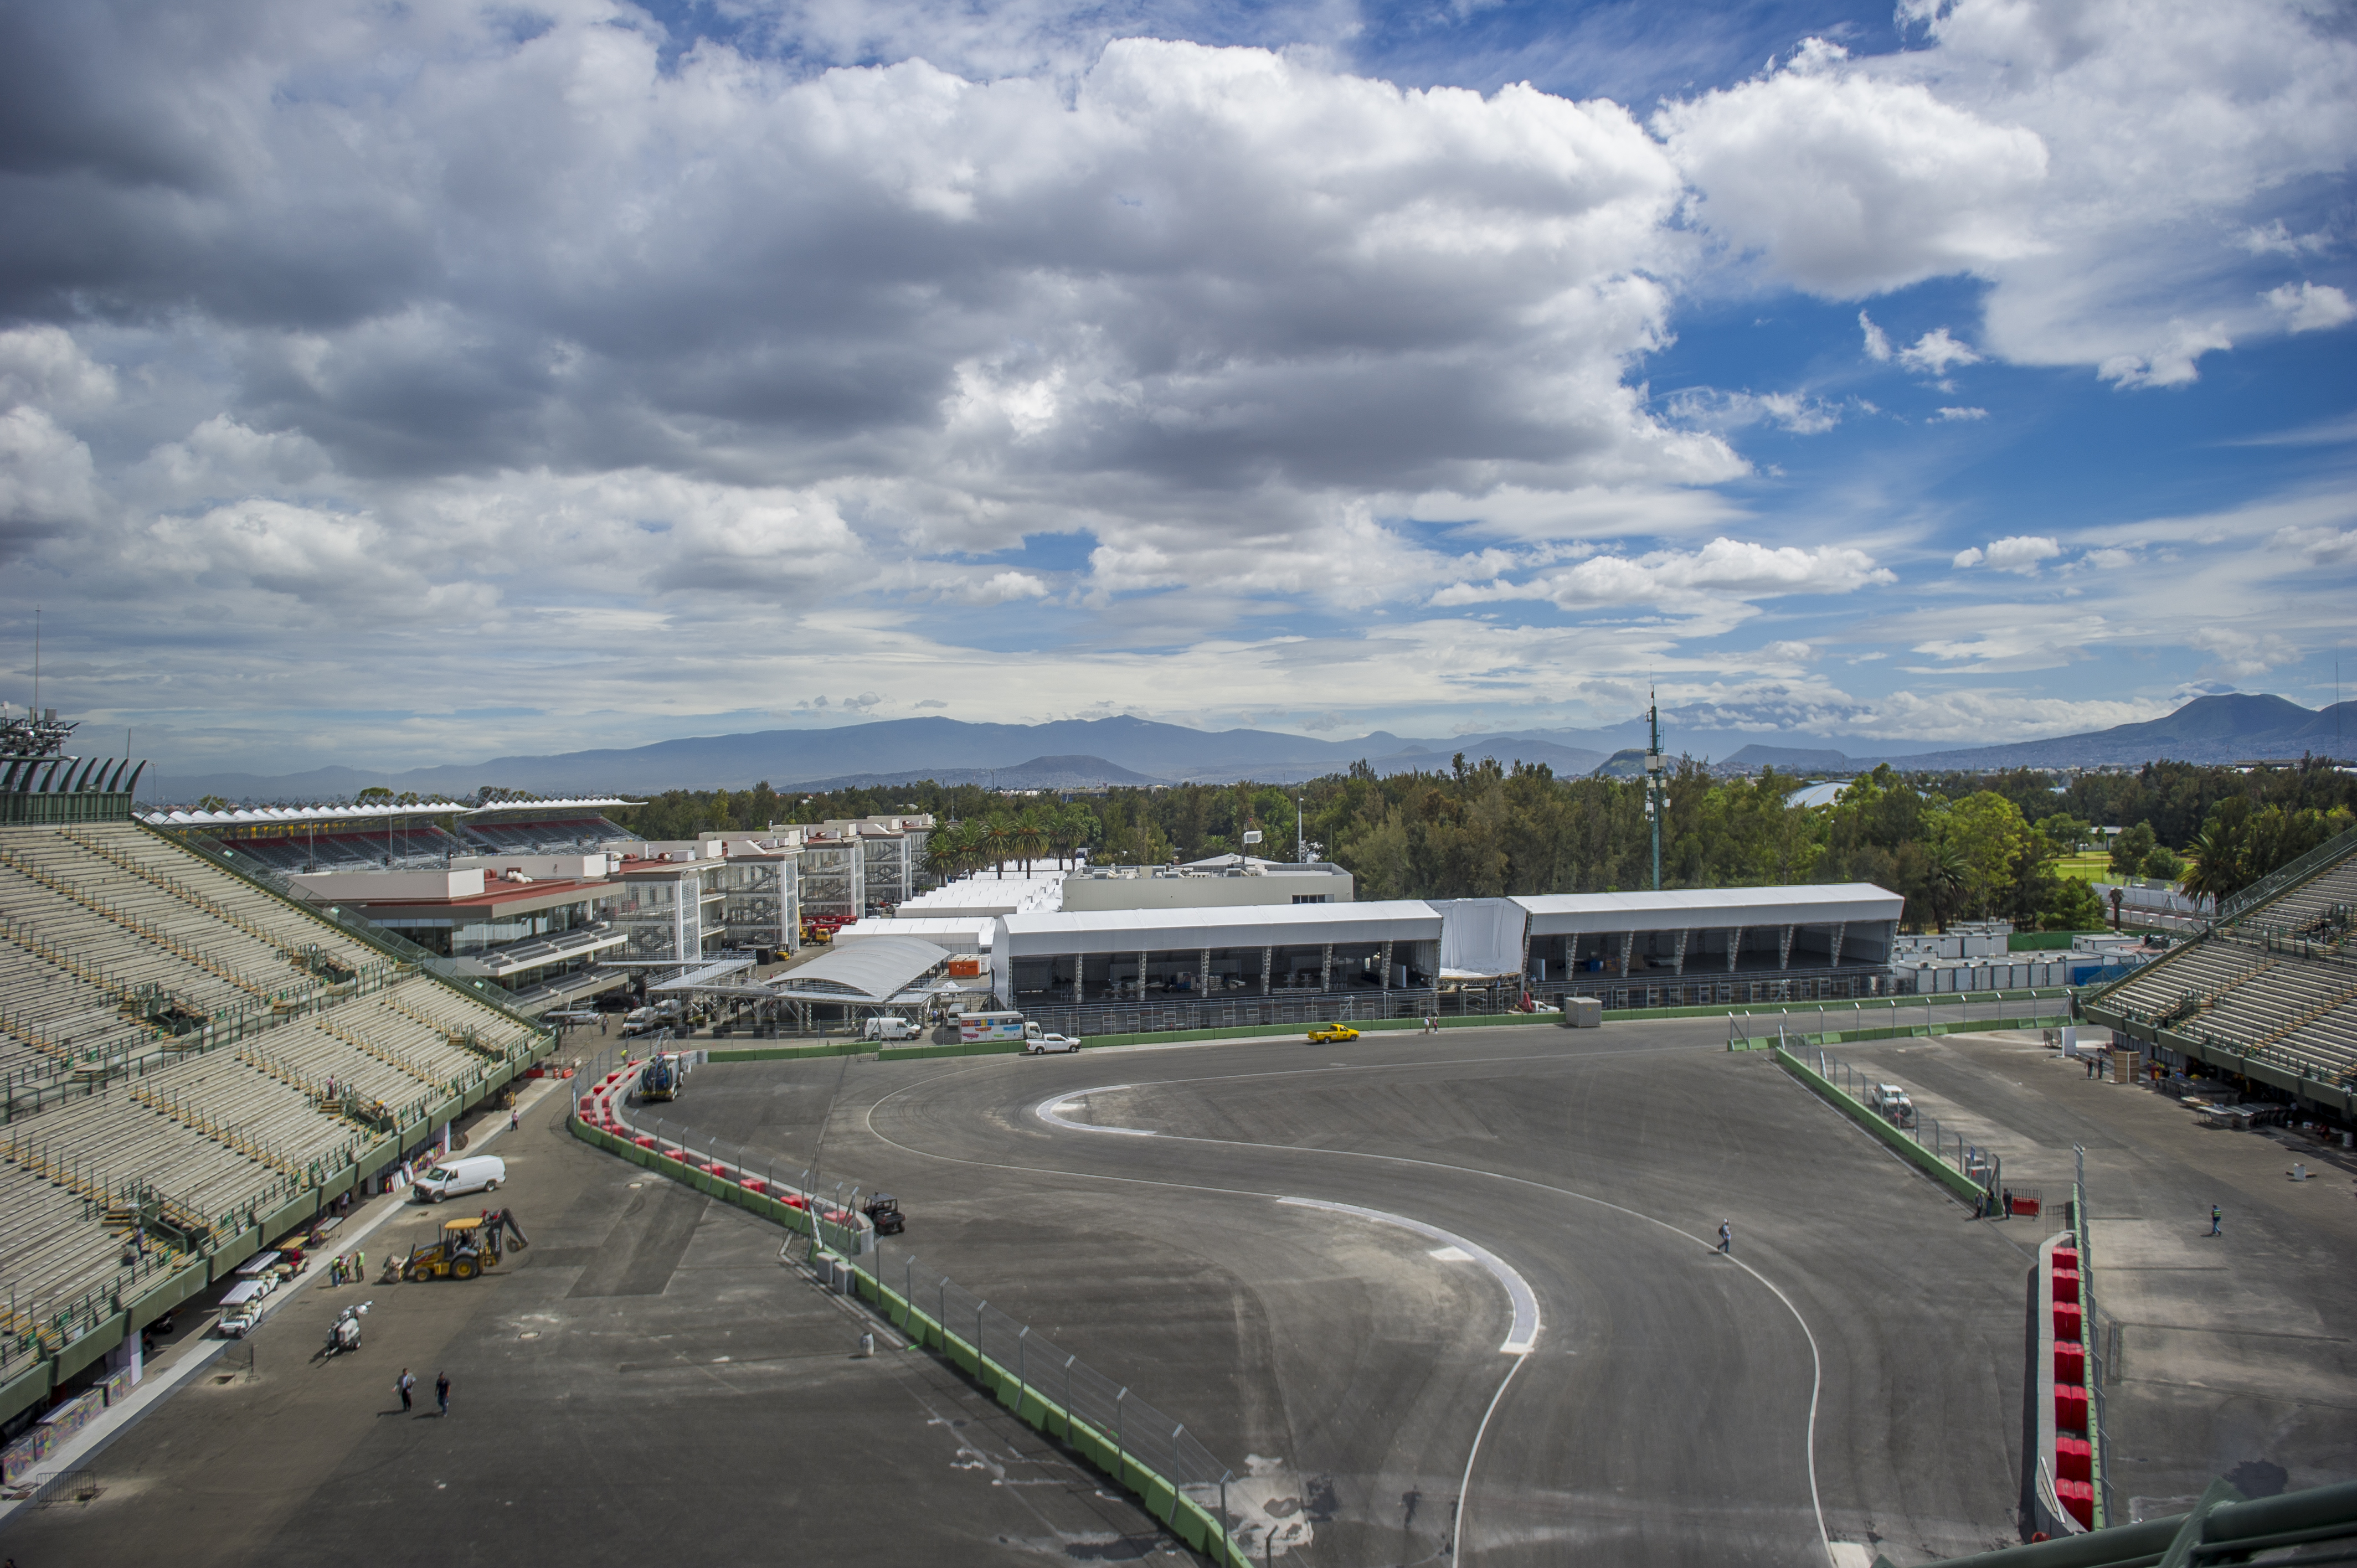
column 1656, row 788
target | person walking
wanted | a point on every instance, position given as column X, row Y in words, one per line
column 2217, row 1219
column 1726, row 1237
column 442, row 1393
column 515, row 1116
column 402, row 1385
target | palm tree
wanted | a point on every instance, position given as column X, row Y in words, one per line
column 2217, row 867
column 1029, row 837
column 947, row 851
column 995, row 838
column 1944, row 879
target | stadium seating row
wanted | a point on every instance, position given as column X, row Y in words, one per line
column 2299, row 907
column 112, row 937
column 2237, row 992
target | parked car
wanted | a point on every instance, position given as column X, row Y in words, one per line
column 449, row 1178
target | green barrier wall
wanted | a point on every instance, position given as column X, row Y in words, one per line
column 784, row 1053
column 1188, row 1518
column 1915, row 1153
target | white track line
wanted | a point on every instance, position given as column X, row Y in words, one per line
column 1525, row 1302
column 1048, row 1111
column 1817, row 1359
column 1465, row 1486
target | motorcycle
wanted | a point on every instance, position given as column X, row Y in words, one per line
column 344, row 1334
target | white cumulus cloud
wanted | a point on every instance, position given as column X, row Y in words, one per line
column 2018, row 553
column 1935, row 352
column 2310, row 307
column 2082, row 158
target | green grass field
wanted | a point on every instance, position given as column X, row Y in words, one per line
column 2092, row 867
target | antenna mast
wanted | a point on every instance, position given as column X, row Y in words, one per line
column 1656, row 790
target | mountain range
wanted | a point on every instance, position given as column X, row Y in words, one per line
column 2234, row 726
column 1083, row 752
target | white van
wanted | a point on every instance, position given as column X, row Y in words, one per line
column 890, row 1028
column 474, row 1173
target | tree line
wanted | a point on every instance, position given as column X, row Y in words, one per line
column 1958, row 845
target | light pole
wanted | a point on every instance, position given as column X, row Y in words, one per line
column 1656, row 791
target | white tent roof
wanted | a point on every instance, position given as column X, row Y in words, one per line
column 1695, row 908
column 955, row 932
column 1232, row 926
column 875, row 969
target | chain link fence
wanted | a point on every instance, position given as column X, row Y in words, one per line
column 1065, row 1397
column 1829, row 1023
column 2102, row 1359
column 1978, row 1165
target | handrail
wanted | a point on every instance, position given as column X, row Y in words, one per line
column 2267, row 887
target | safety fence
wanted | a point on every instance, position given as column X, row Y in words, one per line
column 1050, row 1388
column 1974, row 1174
column 1898, row 1019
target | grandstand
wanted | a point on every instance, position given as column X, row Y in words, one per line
column 2268, row 992
column 408, row 835
column 195, row 1064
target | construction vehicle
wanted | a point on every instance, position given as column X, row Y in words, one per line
column 660, row 1078
column 883, row 1211
column 466, row 1248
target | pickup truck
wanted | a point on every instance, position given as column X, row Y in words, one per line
column 1889, row 1100
column 1037, row 1042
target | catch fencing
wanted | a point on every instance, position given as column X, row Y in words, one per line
column 1980, row 1168
column 2103, row 1350
column 1835, row 1022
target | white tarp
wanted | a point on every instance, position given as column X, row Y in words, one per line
column 1481, row 937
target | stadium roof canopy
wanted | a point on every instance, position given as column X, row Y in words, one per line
column 1225, row 925
column 273, row 816
column 874, row 970
column 1817, row 904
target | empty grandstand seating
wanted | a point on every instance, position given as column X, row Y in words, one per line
column 572, row 836
column 188, row 1053
column 2301, row 908
column 2274, row 985
column 413, row 847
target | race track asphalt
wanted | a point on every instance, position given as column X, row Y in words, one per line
column 1852, row 1374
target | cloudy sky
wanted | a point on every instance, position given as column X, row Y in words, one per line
column 394, row 384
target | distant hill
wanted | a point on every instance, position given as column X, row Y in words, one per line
column 1080, row 753
column 1784, row 760
column 2237, row 726
column 1039, row 773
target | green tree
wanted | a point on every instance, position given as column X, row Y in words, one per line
column 1988, row 832
column 2131, row 849
column 2074, row 905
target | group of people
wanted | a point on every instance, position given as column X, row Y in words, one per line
column 354, row 1268
column 403, row 1384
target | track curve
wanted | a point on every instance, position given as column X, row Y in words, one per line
column 1671, row 1414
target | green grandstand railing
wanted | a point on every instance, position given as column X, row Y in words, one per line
column 2337, row 848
